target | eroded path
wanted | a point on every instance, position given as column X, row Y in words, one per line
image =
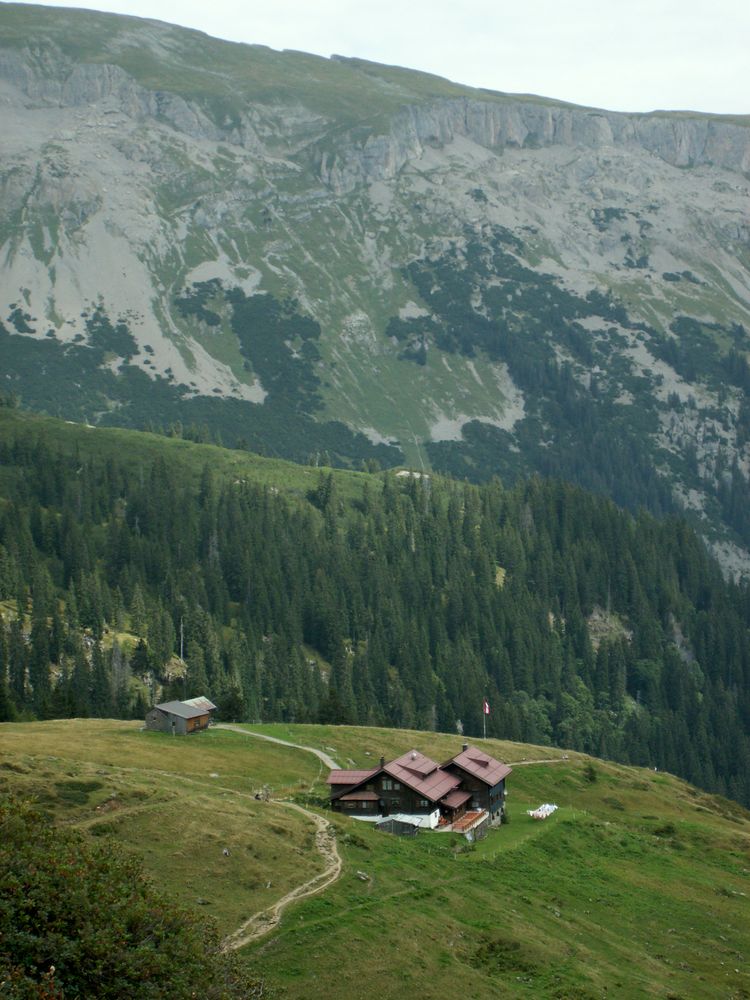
column 546, row 760
column 264, row 921
column 320, row 754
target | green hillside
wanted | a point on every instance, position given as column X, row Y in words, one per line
column 303, row 595
column 225, row 76
column 186, row 459
column 636, row 887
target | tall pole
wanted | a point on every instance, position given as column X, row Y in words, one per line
column 484, row 724
column 182, row 661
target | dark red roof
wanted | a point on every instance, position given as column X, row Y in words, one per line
column 359, row 797
column 455, row 799
column 480, row 765
column 422, row 775
column 339, row 777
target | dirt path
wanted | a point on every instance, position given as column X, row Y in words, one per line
column 548, row 760
column 325, row 842
column 320, row 754
column 264, row 921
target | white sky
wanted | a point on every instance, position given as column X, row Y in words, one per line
column 624, row 55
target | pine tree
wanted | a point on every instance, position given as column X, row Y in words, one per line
column 7, row 708
column 80, row 686
column 17, row 665
column 102, row 702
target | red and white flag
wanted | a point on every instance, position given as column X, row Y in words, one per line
column 486, row 707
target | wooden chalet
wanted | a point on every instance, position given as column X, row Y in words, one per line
column 482, row 780
column 420, row 791
column 181, row 717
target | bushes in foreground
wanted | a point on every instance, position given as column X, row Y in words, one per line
column 79, row 919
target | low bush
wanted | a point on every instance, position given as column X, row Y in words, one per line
column 79, row 919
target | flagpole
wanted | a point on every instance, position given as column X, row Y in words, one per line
column 484, row 725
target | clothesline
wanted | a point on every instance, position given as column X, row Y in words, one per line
column 543, row 811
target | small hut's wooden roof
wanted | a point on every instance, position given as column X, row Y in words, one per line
column 181, row 710
column 200, row 702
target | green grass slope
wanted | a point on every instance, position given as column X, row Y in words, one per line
column 222, row 75
column 178, row 803
column 187, row 459
column 227, row 74
column 636, row 887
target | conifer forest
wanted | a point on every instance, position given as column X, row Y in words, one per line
column 395, row 601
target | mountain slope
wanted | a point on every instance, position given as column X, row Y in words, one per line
column 313, row 255
column 635, row 887
column 133, row 567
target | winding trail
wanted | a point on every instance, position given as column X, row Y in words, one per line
column 546, row 760
column 320, row 754
column 264, row 921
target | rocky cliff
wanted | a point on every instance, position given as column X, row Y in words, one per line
column 681, row 142
column 348, row 262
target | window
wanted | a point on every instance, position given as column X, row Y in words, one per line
column 396, row 786
column 423, row 803
column 387, row 785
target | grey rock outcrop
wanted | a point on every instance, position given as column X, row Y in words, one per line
column 681, row 142
column 152, row 165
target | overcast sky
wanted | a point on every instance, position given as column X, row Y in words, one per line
column 624, row 55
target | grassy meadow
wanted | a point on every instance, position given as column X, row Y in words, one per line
column 187, row 459
column 636, row 887
column 177, row 802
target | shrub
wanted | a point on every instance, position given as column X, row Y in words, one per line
column 79, row 919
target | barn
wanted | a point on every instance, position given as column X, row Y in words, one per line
column 180, row 717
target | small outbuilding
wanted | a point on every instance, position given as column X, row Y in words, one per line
column 180, row 717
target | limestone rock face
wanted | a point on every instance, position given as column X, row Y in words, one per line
column 50, row 77
column 437, row 234
column 680, row 143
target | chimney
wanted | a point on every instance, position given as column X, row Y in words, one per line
column 382, row 761
column 466, row 746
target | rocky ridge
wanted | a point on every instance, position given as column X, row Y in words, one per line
column 143, row 180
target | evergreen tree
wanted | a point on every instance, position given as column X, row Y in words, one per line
column 102, row 702
column 417, row 598
column 7, row 708
column 17, row 665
